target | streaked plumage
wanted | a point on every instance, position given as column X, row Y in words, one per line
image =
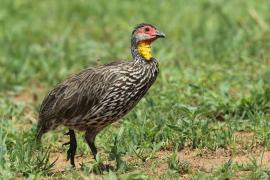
column 96, row 97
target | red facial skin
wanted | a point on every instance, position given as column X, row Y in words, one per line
column 148, row 30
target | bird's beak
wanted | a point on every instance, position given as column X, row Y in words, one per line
column 160, row 34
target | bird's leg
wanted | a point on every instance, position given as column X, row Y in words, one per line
column 72, row 146
column 90, row 139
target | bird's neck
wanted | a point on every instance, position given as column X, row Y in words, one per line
column 144, row 49
column 141, row 49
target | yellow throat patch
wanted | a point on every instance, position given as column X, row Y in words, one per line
column 144, row 50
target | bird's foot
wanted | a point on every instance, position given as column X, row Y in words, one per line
column 72, row 147
column 69, row 151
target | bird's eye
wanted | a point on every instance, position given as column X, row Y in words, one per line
column 146, row 29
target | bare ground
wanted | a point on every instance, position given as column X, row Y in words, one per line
column 199, row 159
column 244, row 151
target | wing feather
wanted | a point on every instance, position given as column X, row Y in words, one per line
column 77, row 94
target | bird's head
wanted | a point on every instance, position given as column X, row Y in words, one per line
column 142, row 37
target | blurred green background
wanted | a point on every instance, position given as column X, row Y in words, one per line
column 214, row 79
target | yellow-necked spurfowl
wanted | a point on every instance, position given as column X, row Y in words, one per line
column 96, row 97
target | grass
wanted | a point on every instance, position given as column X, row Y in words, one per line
column 209, row 106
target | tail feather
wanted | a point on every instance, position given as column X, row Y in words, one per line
column 41, row 129
column 39, row 133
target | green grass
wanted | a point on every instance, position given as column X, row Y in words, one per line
column 214, row 83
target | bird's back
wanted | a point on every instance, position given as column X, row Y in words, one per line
column 97, row 97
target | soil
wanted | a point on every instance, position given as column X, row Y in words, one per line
column 199, row 159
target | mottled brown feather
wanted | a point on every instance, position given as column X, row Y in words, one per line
column 96, row 97
column 78, row 93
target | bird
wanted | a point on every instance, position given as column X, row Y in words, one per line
column 96, row 97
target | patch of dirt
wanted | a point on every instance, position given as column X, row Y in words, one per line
column 25, row 96
column 268, row 62
column 62, row 163
column 211, row 160
column 30, row 95
column 199, row 159
column 155, row 167
column 207, row 160
column 29, row 98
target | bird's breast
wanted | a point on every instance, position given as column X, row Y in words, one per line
column 123, row 94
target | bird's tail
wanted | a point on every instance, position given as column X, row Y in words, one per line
column 40, row 131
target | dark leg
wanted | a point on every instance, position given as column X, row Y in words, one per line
column 72, row 146
column 90, row 139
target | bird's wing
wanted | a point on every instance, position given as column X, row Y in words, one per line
column 78, row 94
